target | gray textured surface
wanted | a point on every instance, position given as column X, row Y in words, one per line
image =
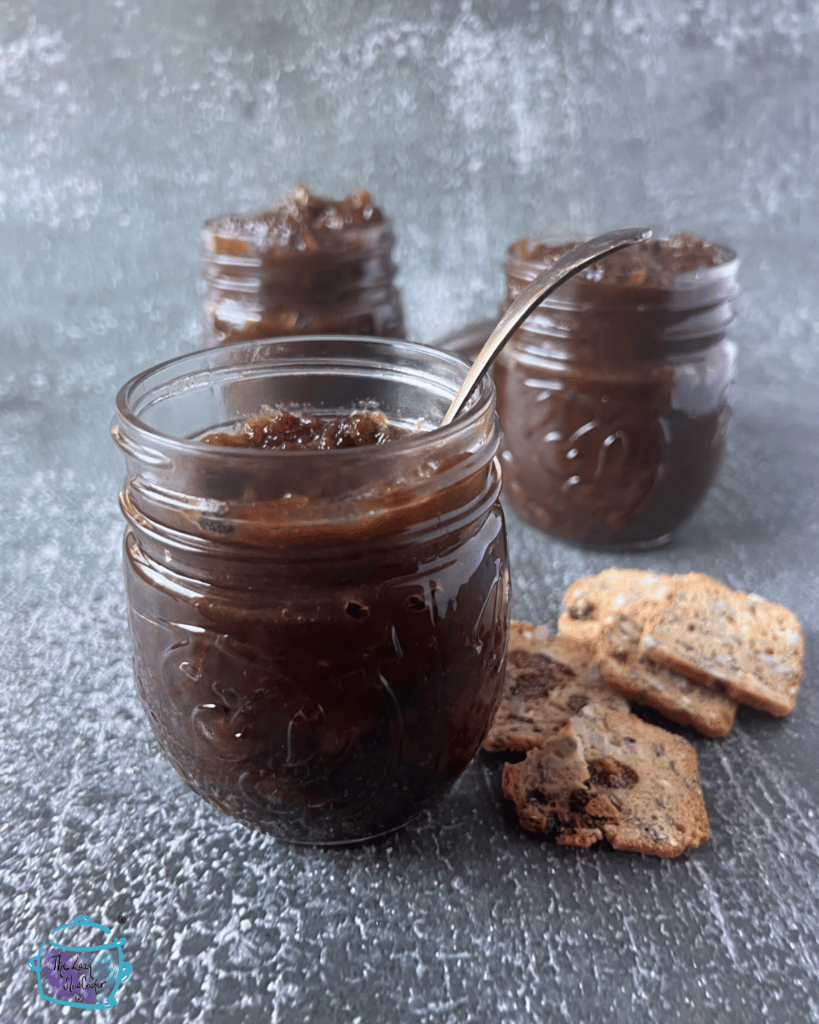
column 122, row 125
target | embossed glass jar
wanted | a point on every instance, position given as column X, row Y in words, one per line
column 614, row 398
column 319, row 636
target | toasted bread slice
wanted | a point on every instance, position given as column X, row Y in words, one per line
column 548, row 679
column 609, row 775
column 590, row 601
column 752, row 646
column 702, row 705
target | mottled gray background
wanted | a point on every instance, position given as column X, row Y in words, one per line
column 123, row 124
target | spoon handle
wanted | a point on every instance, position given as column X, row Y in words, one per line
column 567, row 265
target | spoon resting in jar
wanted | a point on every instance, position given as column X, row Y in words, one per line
column 535, row 292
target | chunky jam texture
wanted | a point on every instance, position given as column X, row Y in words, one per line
column 281, row 430
column 307, row 265
column 652, row 263
column 300, row 221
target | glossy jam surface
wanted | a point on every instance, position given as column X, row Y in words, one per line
column 284, row 430
column 652, row 264
column 330, row 697
column 615, row 394
column 608, row 461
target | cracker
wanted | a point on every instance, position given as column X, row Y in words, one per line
column 640, row 792
column 651, row 776
column 703, row 706
column 708, row 631
column 590, row 601
column 544, row 786
column 548, row 679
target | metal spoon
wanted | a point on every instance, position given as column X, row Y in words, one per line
column 566, row 266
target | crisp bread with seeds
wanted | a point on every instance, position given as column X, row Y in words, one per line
column 609, row 775
column 548, row 679
column 708, row 631
column 650, row 775
column 703, row 706
column 590, row 601
column 543, row 787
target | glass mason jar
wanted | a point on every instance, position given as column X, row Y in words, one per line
column 614, row 396
column 342, row 282
column 319, row 636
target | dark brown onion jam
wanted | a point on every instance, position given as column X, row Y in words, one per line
column 281, row 430
column 615, row 393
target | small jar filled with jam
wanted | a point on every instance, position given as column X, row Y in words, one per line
column 615, row 393
column 317, row 577
column 307, row 266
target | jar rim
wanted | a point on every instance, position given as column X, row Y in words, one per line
column 683, row 286
column 204, row 363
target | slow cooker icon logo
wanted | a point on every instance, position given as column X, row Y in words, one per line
column 85, row 976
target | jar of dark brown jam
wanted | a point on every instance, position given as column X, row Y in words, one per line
column 319, row 632
column 307, row 266
column 615, row 393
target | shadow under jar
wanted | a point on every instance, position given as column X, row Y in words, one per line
column 615, row 393
column 319, row 636
column 306, row 266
